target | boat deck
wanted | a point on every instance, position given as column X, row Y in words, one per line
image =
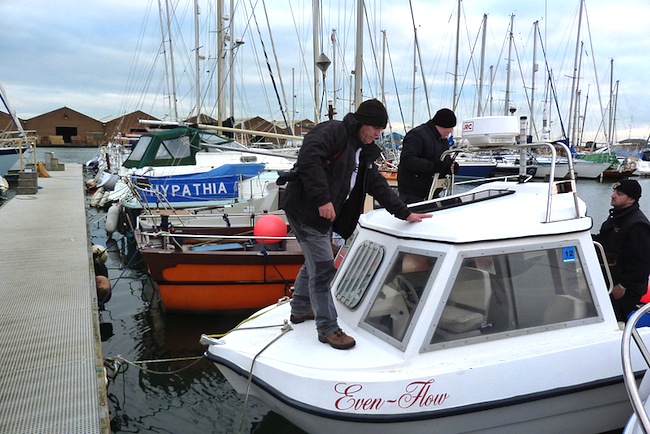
column 52, row 377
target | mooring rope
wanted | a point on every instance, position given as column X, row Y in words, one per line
column 116, row 360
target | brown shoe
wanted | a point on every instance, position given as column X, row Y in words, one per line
column 338, row 340
column 297, row 319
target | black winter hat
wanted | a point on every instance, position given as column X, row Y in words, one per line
column 630, row 187
column 372, row 112
column 444, row 118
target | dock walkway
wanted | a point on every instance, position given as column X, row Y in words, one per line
column 51, row 378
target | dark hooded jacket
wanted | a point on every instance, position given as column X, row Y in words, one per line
column 325, row 165
column 422, row 148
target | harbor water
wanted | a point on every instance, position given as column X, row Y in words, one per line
column 158, row 380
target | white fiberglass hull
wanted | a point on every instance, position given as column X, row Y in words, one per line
column 8, row 158
column 529, row 386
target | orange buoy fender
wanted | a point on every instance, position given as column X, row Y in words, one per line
column 269, row 225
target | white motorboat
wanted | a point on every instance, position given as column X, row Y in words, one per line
column 544, row 164
column 589, row 169
column 492, row 316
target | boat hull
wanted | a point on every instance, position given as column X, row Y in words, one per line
column 8, row 158
column 475, row 170
column 221, row 281
column 589, row 169
column 587, row 409
column 529, row 387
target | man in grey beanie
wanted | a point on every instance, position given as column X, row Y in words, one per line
column 335, row 170
column 420, row 161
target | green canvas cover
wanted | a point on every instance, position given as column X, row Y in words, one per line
column 174, row 147
column 607, row 157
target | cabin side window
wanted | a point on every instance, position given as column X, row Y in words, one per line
column 396, row 301
column 516, row 293
column 140, row 148
column 177, row 147
column 361, row 267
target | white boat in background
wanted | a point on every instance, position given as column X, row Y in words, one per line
column 493, row 316
column 14, row 145
column 544, row 164
column 589, row 169
column 643, row 163
column 9, row 156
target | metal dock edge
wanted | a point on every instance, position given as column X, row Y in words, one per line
column 52, row 378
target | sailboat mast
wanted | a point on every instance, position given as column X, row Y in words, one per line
column 196, row 61
column 334, row 84
column 575, row 69
column 532, row 88
column 417, row 57
column 316, row 49
column 455, row 105
column 577, row 104
column 506, row 109
column 413, row 78
column 231, row 64
column 221, row 79
column 610, row 126
column 358, row 61
column 171, row 63
column 479, row 109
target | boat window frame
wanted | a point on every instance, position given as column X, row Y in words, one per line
column 174, row 148
column 140, row 148
column 428, row 345
column 388, row 273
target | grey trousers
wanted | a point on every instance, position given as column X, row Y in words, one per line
column 312, row 285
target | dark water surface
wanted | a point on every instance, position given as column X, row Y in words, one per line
column 162, row 394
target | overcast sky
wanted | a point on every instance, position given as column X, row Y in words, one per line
column 105, row 58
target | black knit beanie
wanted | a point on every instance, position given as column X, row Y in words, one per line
column 444, row 118
column 630, row 187
column 372, row 112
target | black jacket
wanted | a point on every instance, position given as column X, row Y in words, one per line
column 419, row 161
column 325, row 165
column 625, row 236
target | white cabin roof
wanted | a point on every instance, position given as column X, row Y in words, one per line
column 493, row 211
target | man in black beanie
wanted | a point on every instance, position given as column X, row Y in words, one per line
column 335, row 169
column 419, row 160
column 625, row 236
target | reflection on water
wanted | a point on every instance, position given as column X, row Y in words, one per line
column 173, row 388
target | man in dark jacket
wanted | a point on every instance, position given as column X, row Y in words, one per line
column 335, row 169
column 420, row 161
column 625, row 236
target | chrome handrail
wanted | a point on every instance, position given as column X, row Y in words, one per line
column 630, row 332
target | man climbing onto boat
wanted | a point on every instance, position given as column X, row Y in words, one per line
column 334, row 171
column 420, row 160
column 625, row 236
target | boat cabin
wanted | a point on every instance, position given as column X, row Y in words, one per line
column 487, row 288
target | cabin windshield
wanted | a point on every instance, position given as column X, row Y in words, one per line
column 507, row 294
